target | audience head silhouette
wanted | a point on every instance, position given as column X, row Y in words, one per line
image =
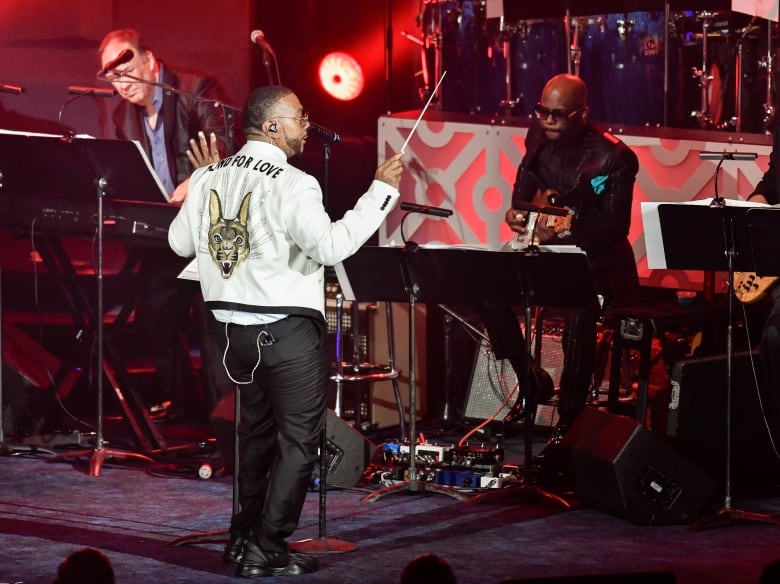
column 428, row 569
column 85, row 566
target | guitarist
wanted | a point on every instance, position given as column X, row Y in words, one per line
column 569, row 163
column 768, row 191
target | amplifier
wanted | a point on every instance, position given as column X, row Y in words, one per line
column 493, row 389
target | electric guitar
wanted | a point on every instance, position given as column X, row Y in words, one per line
column 749, row 288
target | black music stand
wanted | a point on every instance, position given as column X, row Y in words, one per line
column 84, row 172
column 721, row 244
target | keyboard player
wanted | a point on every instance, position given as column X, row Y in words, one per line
column 167, row 124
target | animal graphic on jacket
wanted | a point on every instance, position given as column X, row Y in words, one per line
column 228, row 238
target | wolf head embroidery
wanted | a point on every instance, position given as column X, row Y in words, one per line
column 228, row 238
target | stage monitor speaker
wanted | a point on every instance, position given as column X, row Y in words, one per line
column 622, row 468
column 626, row 578
column 697, row 418
column 348, row 451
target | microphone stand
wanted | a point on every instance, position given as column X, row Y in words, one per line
column 324, row 544
column 267, row 56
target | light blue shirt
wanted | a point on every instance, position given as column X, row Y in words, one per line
column 156, row 137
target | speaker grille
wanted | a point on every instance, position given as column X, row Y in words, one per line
column 493, row 383
column 493, row 380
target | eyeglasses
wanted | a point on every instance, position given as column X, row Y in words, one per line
column 117, row 75
column 559, row 116
column 303, row 120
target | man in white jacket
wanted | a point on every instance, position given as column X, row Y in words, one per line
column 261, row 236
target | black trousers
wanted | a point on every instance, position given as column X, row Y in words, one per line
column 282, row 414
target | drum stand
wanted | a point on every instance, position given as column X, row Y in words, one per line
column 434, row 39
column 703, row 116
column 769, row 107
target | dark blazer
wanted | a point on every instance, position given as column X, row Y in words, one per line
column 184, row 115
column 595, row 177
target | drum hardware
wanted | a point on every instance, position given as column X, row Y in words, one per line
column 575, row 53
column 704, row 115
column 433, row 38
column 767, row 63
column 423, row 72
column 521, row 29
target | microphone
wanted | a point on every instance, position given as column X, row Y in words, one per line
column 96, row 91
column 426, row 210
column 121, row 59
column 559, row 211
column 258, row 38
column 727, row 155
column 324, row 133
column 5, row 87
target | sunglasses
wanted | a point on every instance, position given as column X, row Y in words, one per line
column 559, row 116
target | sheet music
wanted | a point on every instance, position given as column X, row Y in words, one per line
column 654, row 245
column 147, row 162
column 767, row 9
column 39, row 134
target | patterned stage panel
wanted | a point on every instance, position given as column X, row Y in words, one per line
column 468, row 164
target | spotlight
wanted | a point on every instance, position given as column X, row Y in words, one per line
column 341, row 76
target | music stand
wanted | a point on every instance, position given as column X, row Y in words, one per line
column 551, row 277
column 85, row 172
column 721, row 244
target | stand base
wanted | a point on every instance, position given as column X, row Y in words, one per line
column 9, row 449
column 323, row 545
column 728, row 516
column 222, row 536
column 98, row 456
column 524, row 488
column 415, row 486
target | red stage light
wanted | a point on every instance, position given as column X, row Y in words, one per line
column 341, row 76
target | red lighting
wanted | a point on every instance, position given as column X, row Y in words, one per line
column 341, row 76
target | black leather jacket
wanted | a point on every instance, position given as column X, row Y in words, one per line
column 183, row 115
column 593, row 174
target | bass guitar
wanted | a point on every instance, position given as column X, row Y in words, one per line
column 749, row 288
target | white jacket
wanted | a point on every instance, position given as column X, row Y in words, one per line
column 266, row 253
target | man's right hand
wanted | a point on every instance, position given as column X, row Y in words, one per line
column 390, row 170
column 202, row 153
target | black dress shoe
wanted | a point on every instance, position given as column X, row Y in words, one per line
column 234, row 549
column 256, row 563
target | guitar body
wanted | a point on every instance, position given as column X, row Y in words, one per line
column 749, row 288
